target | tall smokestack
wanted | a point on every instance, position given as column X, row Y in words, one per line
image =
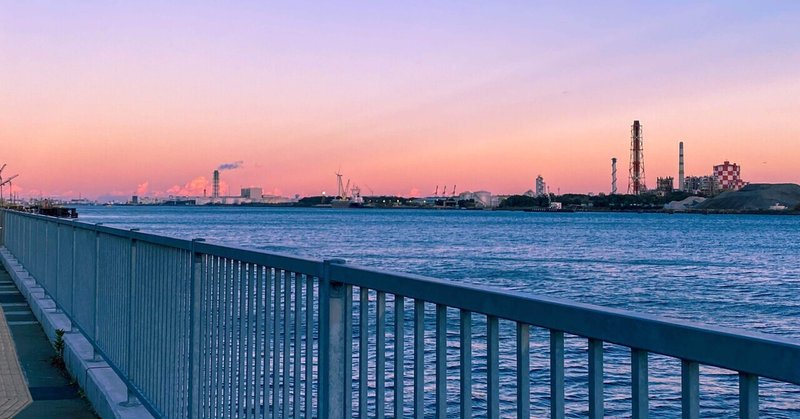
column 215, row 190
column 681, row 178
column 636, row 183
column 613, row 176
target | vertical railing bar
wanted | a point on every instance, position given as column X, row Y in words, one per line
column 230, row 335
column 269, row 313
column 173, row 262
column 523, row 371
column 249, row 334
column 287, row 305
column 254, row 355
column 218, row 340
column 748, row 396
column 639, row 384
column 219, row 344
column 492, row 364
column 399, row 354
column 298, row 309
column 162, row 346
column 185, row 312
column 363, row 346
column 309, row 361
column 556, row 374
column 334, row 349
column 348, row 351
column 196, row 281
column 596, row 379
column 96, row 331
column 380, row 355
column 243, row 340
column 690, row 389
column 207, row 316
column 131, row 400
column 163, row 374
column 419, row 359
column 258, row 367
column 465, row 354
column 233, row 341
column 73, row 312
column 441, row 361
column 275, row 345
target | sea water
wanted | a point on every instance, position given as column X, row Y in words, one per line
column 738, row 271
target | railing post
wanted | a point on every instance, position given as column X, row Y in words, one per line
column 2, row 227
column 96, row 355
column 132, row 400
column 195, row 319
column 748, row 396
column 72, row 276
column 690, row 389
column 55, row 281
column 332, row 345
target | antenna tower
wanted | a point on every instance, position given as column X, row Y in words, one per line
column 636, row 181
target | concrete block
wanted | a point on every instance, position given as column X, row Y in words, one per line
column 106, row 392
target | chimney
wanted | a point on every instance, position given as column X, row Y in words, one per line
column 681, row 178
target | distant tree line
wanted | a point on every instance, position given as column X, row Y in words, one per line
column 616, row 201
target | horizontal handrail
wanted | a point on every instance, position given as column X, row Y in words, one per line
column 308, row 266
column 739, row 350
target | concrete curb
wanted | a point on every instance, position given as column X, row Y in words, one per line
column 103, row 387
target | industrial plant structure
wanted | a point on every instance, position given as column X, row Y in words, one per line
column 728, row 176
column 541, row 187
column 636, row 180
column 613, row 176
column 665, row 185
column 215, row 187
column 681, row 177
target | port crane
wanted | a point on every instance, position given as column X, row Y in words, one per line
column 5, row 182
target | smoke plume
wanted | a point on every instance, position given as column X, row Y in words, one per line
column 230, row 166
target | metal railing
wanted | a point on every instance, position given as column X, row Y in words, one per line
column 201, row 330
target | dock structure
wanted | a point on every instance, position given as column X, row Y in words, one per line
column 197, row 330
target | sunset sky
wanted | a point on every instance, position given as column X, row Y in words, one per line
column 108, row 99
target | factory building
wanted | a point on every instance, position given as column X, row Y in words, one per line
column 252, row 192
column 541, row 187
column 728, row 176
column 665, row 185
column 706, row 185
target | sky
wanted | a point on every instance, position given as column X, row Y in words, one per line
column 111, row 99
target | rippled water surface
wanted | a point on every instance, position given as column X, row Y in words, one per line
column 737, row 271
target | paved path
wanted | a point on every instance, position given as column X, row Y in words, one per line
column 14, row 395
column 52, row 393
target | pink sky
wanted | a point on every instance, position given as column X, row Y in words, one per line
column 100, row 100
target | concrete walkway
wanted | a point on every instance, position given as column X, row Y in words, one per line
column 51, row 391
column 14, row 394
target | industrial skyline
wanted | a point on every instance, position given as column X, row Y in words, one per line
column 116, row 99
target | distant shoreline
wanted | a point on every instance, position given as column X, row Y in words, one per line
column 508, row 209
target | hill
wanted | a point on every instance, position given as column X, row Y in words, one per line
column 757, row 196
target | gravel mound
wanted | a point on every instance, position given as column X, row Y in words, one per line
column 757, row 196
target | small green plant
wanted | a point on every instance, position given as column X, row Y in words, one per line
column 58, row 359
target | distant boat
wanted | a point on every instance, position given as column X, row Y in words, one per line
column 345, row 200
